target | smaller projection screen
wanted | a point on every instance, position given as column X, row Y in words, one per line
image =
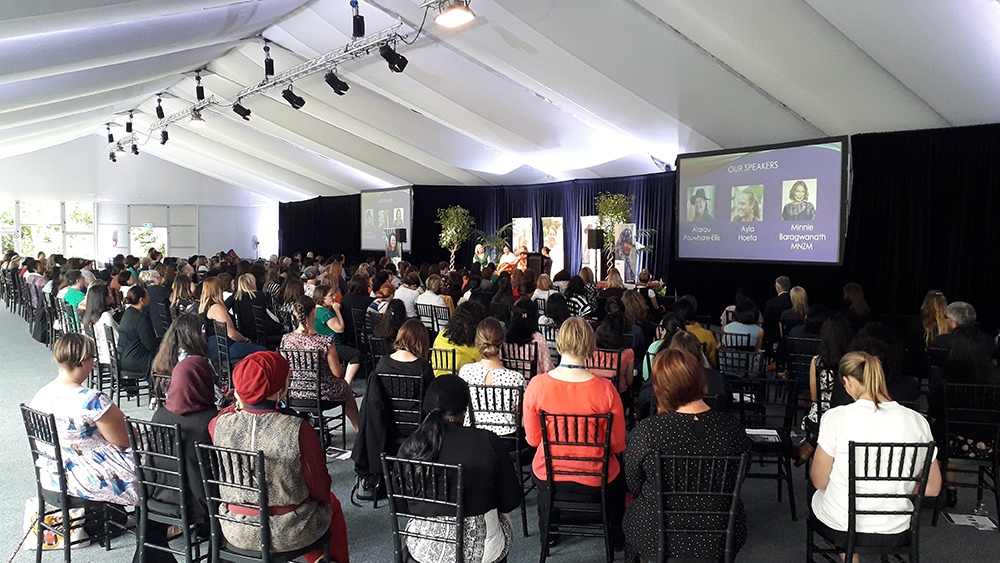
column 383, row 210
column 779, row 203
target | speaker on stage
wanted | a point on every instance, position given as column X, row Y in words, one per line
column 400, row 235
column 595, row 239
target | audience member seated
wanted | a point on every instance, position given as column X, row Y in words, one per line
column 329, row 321
column 383, row 296
column 91, row 430
column 855, row 307
column 560, row 279
column 571, row 389
column 159, row 295
column 687, row 311
column 356, row 298
column 523, row 330
column 773, row 308
column 810, row 328
column 490, row 371
column 137, row 342
column 297, row 478
column 719, row 389
column 99, row 315
column 290, row 291
column 614, row 287
column 408, row 293
column 377, row 431
column 544, row 288
column 212, row 308
column 880, row 341
column 182, row 300
column 73, row 288
column 797, row 314
column 609, row 337
column 590, row 287
column 669, row 324
column 556, row 311
column 430, row 296
column 504, row 291
column 742, row 293
column 578, row 298
column 873, row 417
column 684, row 425
column 923, row 330
column 460, row 335
column 642, row 287
column 638, row 322
column 334, row 380
column 492, row 486
column 959, row 314
column 241, row 304
column 826, row 389
column 392, row 319
column 744, row 322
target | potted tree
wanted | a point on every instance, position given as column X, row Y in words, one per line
column 456, row 226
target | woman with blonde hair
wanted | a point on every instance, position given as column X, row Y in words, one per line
column 182, row 298
column 797, row 314
column 213, row 308
column 933, row 316
column 242, row 304
column 872, row 417
column 543, row 288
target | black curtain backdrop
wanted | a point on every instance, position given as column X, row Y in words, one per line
column 922, row 217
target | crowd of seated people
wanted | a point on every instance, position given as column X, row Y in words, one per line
column 863, row 384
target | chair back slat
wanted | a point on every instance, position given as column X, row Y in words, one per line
column 410, row 484
column 380, row 347
column 735, row 340
column 973, row 412
column 234, row 477
column 503, row 401
column 583, row 439
column 522, row 358
column 404, row 392
column 443, row 360
column 766, row 403
column 222, row 350
column 800, row 352
column 434, row 317
column 740, row 363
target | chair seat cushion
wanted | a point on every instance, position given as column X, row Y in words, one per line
column 839, row 538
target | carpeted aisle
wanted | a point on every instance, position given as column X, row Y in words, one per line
column 26, row 365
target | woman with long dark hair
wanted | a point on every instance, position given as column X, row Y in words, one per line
column 609, row 337
column 522, row 330
column 392, row 319
column 504, row 294
column 578, row 298
column 98, row 315
column 492, row 487
column 460, row 335
column 556, row 311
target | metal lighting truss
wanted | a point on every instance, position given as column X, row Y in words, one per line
column 350, row 52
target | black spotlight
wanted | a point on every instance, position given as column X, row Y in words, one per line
column 359, row 26
column 199, row 90
column 128, row 124
column 159, row 109
column 241, row 111
column 396, row 61
column 338, row 85
column 111, row 138
column 135, row 149
column 268, row 62
column 111, row 156
column 164, row 137
column 293, row 100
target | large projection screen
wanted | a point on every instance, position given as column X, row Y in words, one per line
column 382, row 210
column 778, row 203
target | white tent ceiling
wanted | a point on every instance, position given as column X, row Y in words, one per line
column 530, row 91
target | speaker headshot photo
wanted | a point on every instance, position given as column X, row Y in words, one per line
column 700, row 205
column 397, row 221
column 747, row 203
column 795, row 200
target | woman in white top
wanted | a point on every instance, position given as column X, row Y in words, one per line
column 98, row 315
column 873, row 417
column 545, row 288
column 490, row 371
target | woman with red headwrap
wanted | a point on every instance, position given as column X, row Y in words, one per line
column 302, row 507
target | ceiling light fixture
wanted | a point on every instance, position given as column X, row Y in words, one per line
column 268, row 61
column 135, row 149
column 339, row 86
column 396, row 61
column 111, row 138
column 242, row 111
column 128, row 124
column 196, row 120
column 292, row 98
column 164, row 137
column 453, row 13
column 159, row 108
column 358, row 21
column 199, row 90
column 112, row 157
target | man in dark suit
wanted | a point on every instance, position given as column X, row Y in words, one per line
column 773, row 309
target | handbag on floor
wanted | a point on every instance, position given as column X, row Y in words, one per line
column 51, row 540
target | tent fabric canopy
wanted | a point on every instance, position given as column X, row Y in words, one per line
column 531, row 91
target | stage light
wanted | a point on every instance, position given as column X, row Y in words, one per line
column 196, row 120
column 338, row 85
column 268, row 61
column 396, row 61
column 111, row 138
column 242, row 111
column 293, row 100
column 135, row 149
column 112, row 157
column 359, row 26
column 164, row 137
column 128, row 124
column 199, row 90
column 159, row 109
column 454, row 13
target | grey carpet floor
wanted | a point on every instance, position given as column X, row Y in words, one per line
column 26, row 365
